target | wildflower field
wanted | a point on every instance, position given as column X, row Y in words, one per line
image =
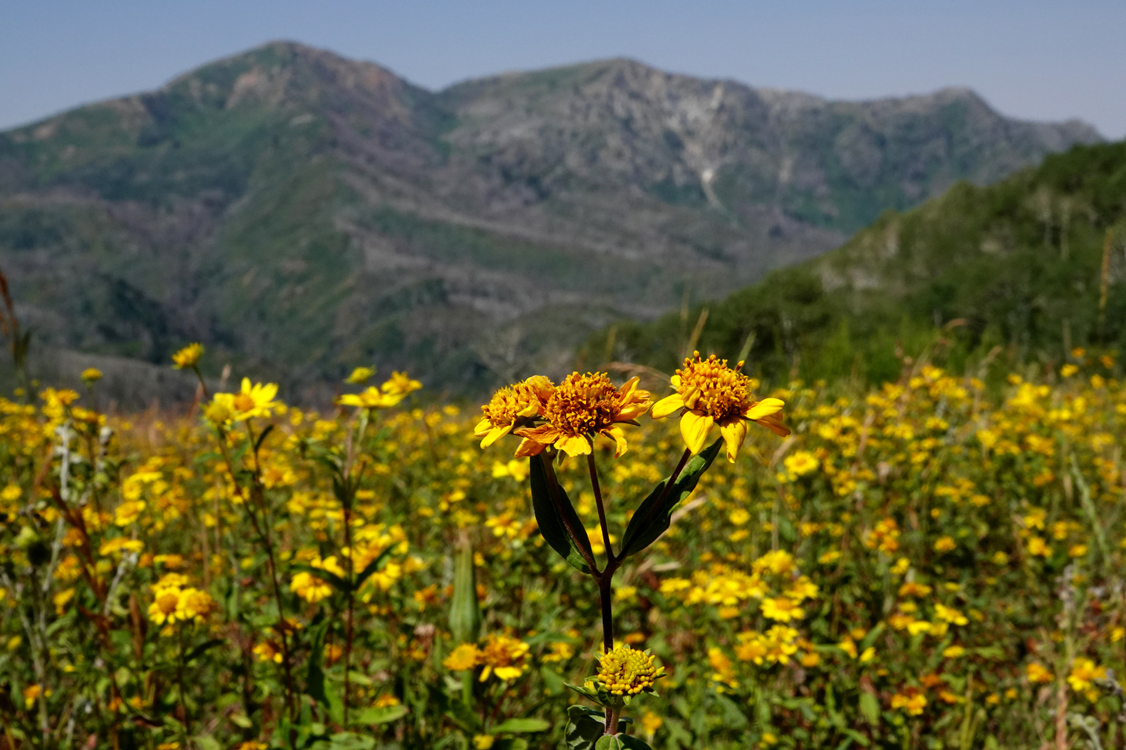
column 933, row 563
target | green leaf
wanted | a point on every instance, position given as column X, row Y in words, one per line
column 511, row 743
column 584, row 692
column 552, row 682
column 464, row 717
column 465, row 610
column 202, row 648
column 620, row 742
column 654, row 514
column 335, row 704
column 584, row 727
column 870, row 708
column 262, row 437
column 384, row 715
column 552, row 525
column 206, row 742
column 870, row 638
column 522, row 725
column 350, row 741
column 315, row 679
column 374, row 565
column 339, row 583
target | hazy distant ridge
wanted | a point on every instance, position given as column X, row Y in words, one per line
column 302, row 213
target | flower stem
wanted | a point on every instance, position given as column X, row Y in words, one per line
column 601, row 507
column 607, row 610
column 612, row 715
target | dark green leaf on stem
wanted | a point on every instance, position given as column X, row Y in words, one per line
column 584, row 727
column 553, row 526
column 655, row 513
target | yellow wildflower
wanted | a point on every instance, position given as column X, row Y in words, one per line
column 370, row 398
column 782, row 609
column 1038, row 674
column 400, row 384
column 188, row 357
column 624, row 671
column 265, row 651
column 801, row 463
column 1083, row 673
column 461, row 658
column 949, row 614
column 582, row 407
column 712, row 393
column 309, row 587
column 945, row 544
column 255, row 400
column 360, row 375
column 504, row 656
column 513, row 406
column 913, row 702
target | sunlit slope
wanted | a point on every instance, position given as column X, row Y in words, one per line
column 1018, row 264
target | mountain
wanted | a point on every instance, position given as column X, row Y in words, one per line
column 302, row 213
column 1021, row 271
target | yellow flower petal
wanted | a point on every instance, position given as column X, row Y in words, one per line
column 765, row 408
column 667, row 406
column 694, row 429
column 480, row 430
column 734, row 434
column 774, row 424
column 529, row 447
column 619, row 438
column 494, row 435
column 574, row 445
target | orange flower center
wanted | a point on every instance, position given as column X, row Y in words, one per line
column 712, row 388
column 506, row 404
column 243, row 402
column 583, row 404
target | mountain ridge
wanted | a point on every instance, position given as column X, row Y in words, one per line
column 301, row 212
column 1010, row 275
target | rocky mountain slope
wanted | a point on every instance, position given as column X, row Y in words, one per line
column 302, row 213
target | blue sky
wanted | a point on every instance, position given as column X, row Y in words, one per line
column 1030, row 59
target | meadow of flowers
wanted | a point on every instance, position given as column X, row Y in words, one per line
column 933, row 563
